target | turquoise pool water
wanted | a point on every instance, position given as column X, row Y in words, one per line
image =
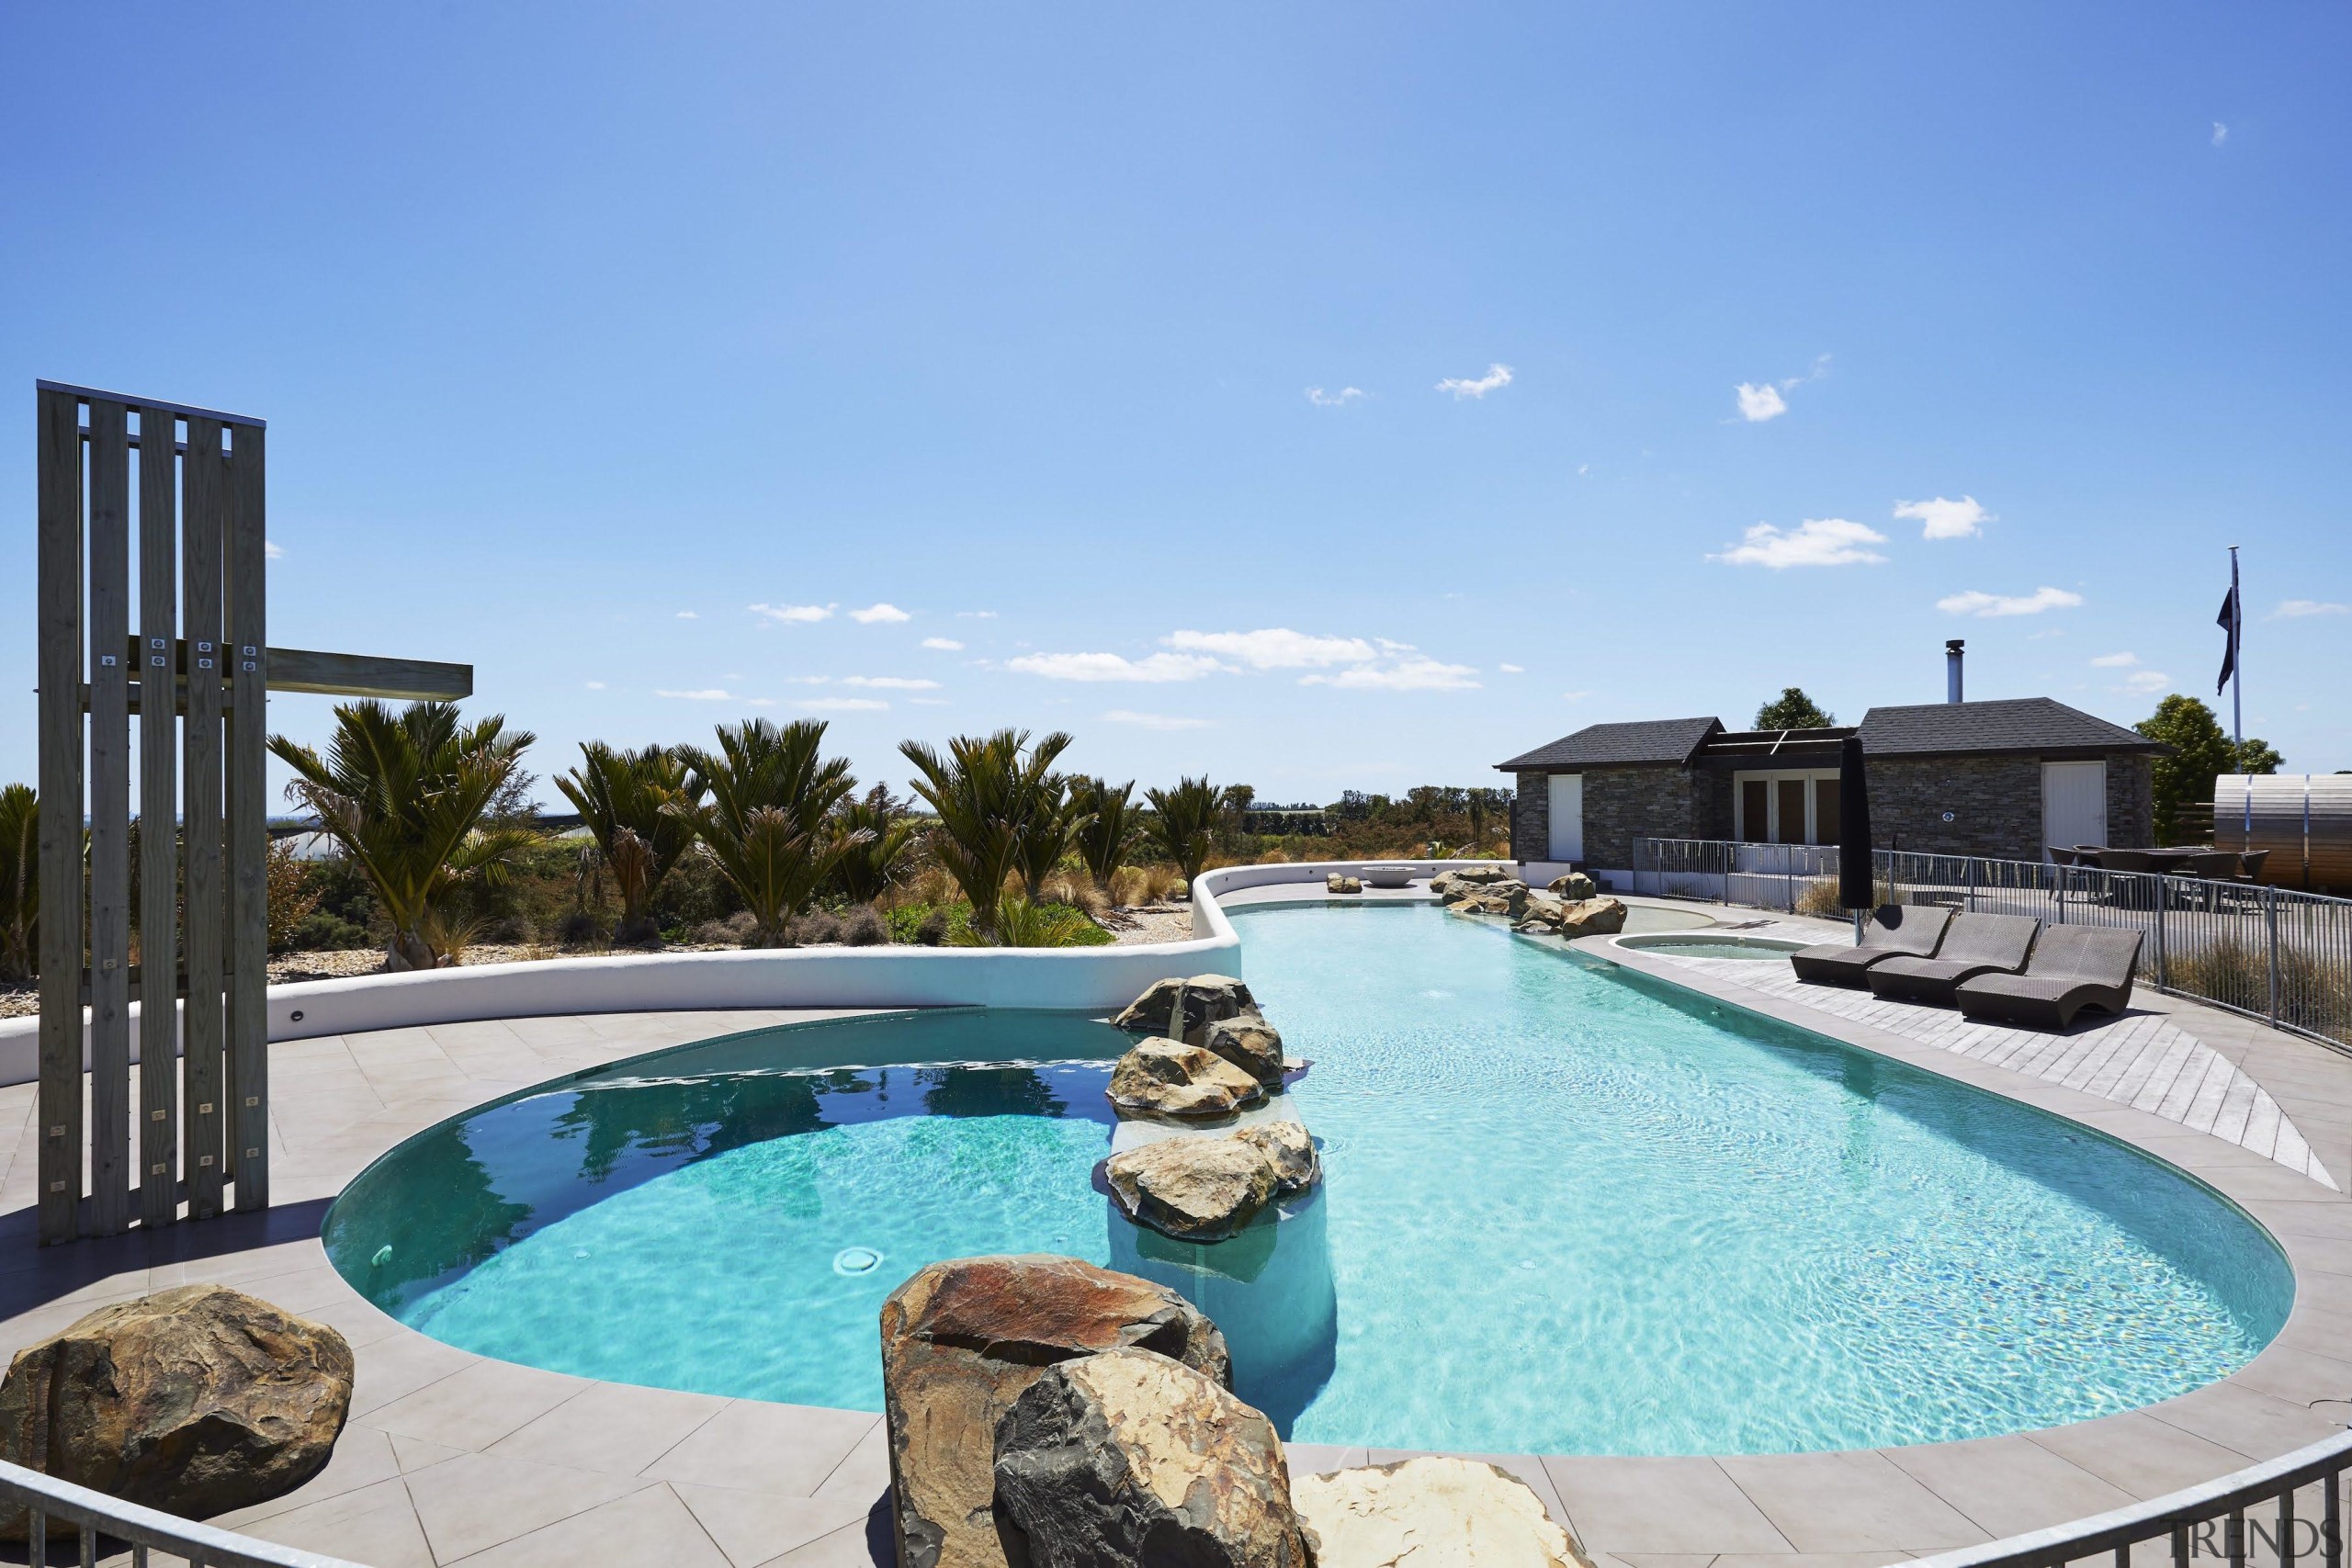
column 1565, row 1211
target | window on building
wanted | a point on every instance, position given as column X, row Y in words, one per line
column 1786, row 806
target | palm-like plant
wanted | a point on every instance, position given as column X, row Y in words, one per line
column 403, row 795
column 1110, row 826
column 625, row 798
column 873, row 861
column 768, row 825
column 1000, row 806
column 1184, row 823
column 19, row 881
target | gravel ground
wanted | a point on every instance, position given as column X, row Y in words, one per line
column 1147, row 923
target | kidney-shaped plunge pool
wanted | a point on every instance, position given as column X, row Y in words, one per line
column 1565, row 1210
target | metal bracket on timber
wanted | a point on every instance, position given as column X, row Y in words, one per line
column 191, row 560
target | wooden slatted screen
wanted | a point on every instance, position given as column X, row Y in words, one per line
column 200, row 523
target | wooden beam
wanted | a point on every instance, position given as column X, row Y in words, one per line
column 360, row 675
column 247, row 1086
column 159, row 849
column 58, row 1127
column 203, row 481
column 109, row 458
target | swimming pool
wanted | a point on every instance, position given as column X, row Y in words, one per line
column 1565, row 1210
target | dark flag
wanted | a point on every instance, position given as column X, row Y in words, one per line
column 2228, row 621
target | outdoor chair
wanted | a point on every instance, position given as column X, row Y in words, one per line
column 1975, row 944
column 2073, row 967
column 1896, row 931
column 2252, row 859
column 2059, row 856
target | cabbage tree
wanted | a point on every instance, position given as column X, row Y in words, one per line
column 768, row 825
column 1001, row 809
column 1183, row 826
column 624, row 798
column 1111, row 824
column 403, row 795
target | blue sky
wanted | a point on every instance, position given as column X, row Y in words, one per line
column 1526, row 365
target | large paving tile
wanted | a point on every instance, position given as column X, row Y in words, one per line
column 648, row 1525
column 752, row 1527
column 864, row 1474
column 787, row 1449
column 859, row 1546
column 1660, row 1505
column 1848, row 1502
column 399, row 1365
column 362, row 1457
column 2006, row 1486
column 474, row 1502
column 375, row 1525
column 614, row 1427
column 1321, row 1459
column 477, row 1405
column 2258, row 1425
column 2144, row 1456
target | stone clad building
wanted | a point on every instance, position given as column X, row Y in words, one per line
column 2000, row 778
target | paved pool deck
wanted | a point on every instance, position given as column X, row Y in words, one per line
column 452, row 1457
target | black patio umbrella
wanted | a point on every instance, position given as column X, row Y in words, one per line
column 1855, row 882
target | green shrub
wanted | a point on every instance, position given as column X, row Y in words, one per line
column 321, row 932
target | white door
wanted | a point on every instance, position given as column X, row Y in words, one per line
column 1567, row 817
column 2074, row 804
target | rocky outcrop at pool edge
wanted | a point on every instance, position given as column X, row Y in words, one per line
column 195, row 1401
column 961, row 1340
column 1340, row 882
column 1206, row 1189
column 1431, row 1511
column 1128, row 1458
column 1575, row 887
column 1206, row 998
column 1167, row 1078
column 1250, row 1043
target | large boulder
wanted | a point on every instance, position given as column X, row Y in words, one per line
column 1208, row 997
column 1193, row 1189
column 1207, row 1188
column 1168, row 1078
column 1340, row 882
column 1127, row 1459
column 1507, row 898
column 1575, row 887
column 1594, row 917
column 195, row 1401
column 1249, row 1042
column 1429, row 1512
column 961, row 1340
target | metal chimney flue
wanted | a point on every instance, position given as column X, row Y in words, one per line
column 1954, row 651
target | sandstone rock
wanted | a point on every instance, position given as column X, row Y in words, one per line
column 195, row 1401
column 1336, row 881
column 961, row 1340
column 1546, row 907
column 1208, row 997
column 1249, row 1042
column 1576, row 886
column 1428, row 1513
column 1193, row 1189
column 1594, row 917
column 1289, row 1150
column 1507, row 898
column 1128, row 1460
column 1168, row 1078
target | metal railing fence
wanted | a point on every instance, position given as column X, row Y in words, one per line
column 105, row 1526
column 2200, row 1523
column 2270, row 952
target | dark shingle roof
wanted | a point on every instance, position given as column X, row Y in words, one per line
column 1650, row 740
column 2016, row 724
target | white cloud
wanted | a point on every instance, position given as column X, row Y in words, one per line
column 1406, row 675
column 975, row 615
column 891, row 682
column 1757, row 404
column 1575, row 696
column 2145, row 683
column 272, row 550
column 1818, row 541
column 2293, row 609
column 1159, row 667
column 1496, row 376
column 795, row 612
column 944, row 644
column 1388, row 647
column 1987, row 605
column 886, row 613
column 846, row 705
column 2221, row 133
column 1153, row 720
column 1275, row 647
column 705, row 695
column 1941, row 519
column 2116, row 660
column 594, row 685
column 688, row 616
column 1512, row 669
column 1340, row 399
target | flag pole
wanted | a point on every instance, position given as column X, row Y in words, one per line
column 2237, row 695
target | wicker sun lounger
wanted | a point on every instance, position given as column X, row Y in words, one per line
column 1896, row 931
column 2073, row 967
column 1974, row 946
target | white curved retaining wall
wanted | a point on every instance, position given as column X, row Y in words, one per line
column 1094, row 978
